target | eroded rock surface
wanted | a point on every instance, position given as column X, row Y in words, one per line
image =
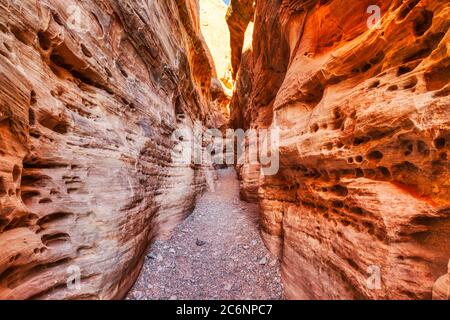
column 441, row 289
column 240, row 13
column 364, row 118
column 90, row 93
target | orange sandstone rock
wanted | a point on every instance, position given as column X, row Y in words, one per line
column 90, row 93
column 363, row 190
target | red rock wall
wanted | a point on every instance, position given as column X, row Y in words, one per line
column 239, row 15
column 89, row 96
column 364, row 118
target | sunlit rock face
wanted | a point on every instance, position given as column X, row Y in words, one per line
column 240, row 13
column 90, row 93
column 217, row 36
column 360, row 208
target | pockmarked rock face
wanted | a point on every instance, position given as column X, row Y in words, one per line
column 360, row 208
column 90, row 93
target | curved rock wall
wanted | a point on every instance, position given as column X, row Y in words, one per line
column 90, row 93
column 360, row 207
column 239, row 15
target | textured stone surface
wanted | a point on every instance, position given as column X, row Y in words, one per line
column 441, row 289
column 364, row 113
column 239, row 15
column 90, row 92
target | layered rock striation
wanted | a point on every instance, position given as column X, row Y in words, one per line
column 90, row 94
column 360, row 206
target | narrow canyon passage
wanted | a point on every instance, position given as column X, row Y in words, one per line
column 217, row 253
column 110, row 116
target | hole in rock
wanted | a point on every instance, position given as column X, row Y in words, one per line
column 423, row 22
column 55, row 239
column 57, row 18
column 422, row 148
column 392, row 88
column 375, row 84
column 72, row 190
column 33, row 99
column 405, row 166
column 357, row 210
column 54, row 217
column 54, row 123
column 338, row 204
column 3, row 28
column 64, row 58
column 31, row 117
column 439, row 143
column 27, row 197
column 359, row 173
column 378, row 58
column 21, row 35
column 86, row 51
column 3, row 189
column 403, row 70
column 45, row 201
column 123, row 72
column 44, row 40
column 411, row 83
column 409, row 149
column 375, row 155
column 437, row 77
column 360, row 140
column 340, row 190
column 16, row 173
column 385, row 173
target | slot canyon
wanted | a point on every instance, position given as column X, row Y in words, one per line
column 92, row 92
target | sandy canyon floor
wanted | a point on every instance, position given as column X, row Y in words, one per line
column 217, row 253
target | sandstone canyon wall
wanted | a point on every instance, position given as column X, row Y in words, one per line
column 364, row 186
column 90, row 92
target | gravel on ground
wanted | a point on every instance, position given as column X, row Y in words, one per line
column 217, row 253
